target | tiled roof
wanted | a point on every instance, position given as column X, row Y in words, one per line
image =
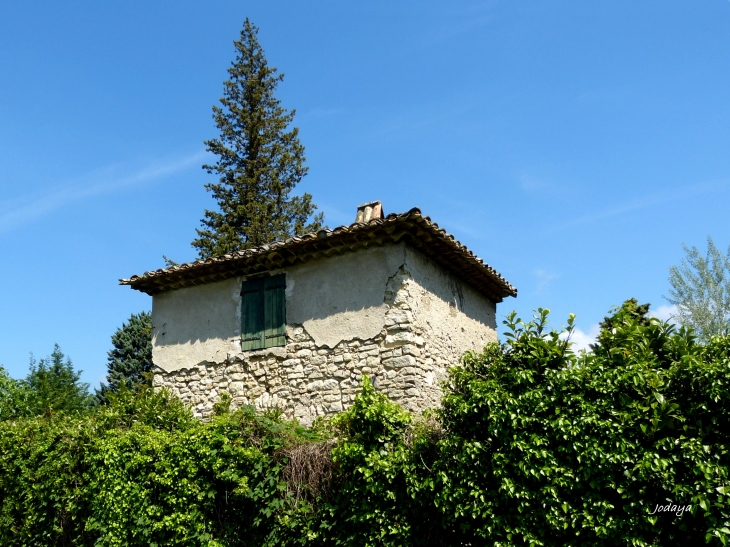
column 412, row 227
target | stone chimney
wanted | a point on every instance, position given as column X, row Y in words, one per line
column 369, row 211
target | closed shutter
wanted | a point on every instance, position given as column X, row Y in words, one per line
column 275, row 311
column 252, row 314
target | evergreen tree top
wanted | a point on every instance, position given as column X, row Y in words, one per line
column 260, row 160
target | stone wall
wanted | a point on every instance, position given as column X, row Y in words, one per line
column 425, row 330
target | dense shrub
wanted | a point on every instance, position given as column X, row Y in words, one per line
column 534, row 445
column 142, row 471
column 14, row 397
column 545, row 447
column 377, row 498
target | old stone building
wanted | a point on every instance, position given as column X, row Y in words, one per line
column 296, row 324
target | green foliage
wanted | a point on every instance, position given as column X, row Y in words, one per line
column 14, row 397
column 130, row 360
column 544, row 447
column 700, row 288
column 630, row 310
column 371, row 459
column 259, row 161
column 142, row 471
column 54, row 386
column 383, row 491
column 534, row 445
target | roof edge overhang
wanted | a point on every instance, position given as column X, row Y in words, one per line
column 411, row 227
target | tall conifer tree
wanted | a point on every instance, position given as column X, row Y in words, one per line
column 55, row 386
column 131, row 356
column 260, row 160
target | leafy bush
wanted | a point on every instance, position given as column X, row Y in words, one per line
column 546, row 447
column 142, row 471
column 372, row 503
column 534, row 445
column 14, row 397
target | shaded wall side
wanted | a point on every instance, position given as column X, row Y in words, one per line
column 450, row 313
column 434, row 318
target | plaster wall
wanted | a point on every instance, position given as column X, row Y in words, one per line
column 334, row 299
column 196, row 324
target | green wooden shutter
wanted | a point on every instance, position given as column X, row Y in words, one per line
column 275, row 311
column 252, row 314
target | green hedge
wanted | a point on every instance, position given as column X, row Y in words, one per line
column 549, row 448
column 534, row 445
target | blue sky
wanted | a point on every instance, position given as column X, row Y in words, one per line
column 574, row 146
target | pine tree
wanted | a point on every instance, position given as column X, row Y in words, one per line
column 55, row 386
column 131, row 356
column 260, row 160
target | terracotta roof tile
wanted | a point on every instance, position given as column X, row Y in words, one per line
column 412, row 227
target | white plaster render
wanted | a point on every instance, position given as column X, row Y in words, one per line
column 388, row 312
column 196, row 324
column 334, row 299
column 341, row 298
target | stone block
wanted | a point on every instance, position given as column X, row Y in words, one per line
column 369, row 347
column 411, row 350
column 314, row 386
column 333, row 407
column 398, row 315
column 330, row 384
column 402, row 338
column 400, row 362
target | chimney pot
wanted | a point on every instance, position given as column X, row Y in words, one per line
column 369, row 211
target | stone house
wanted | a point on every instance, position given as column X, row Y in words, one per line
column 295, row 324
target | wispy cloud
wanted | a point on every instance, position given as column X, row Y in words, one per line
column 544, row 278
column 531, row 183
column 651, row 200
column 17, row 212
